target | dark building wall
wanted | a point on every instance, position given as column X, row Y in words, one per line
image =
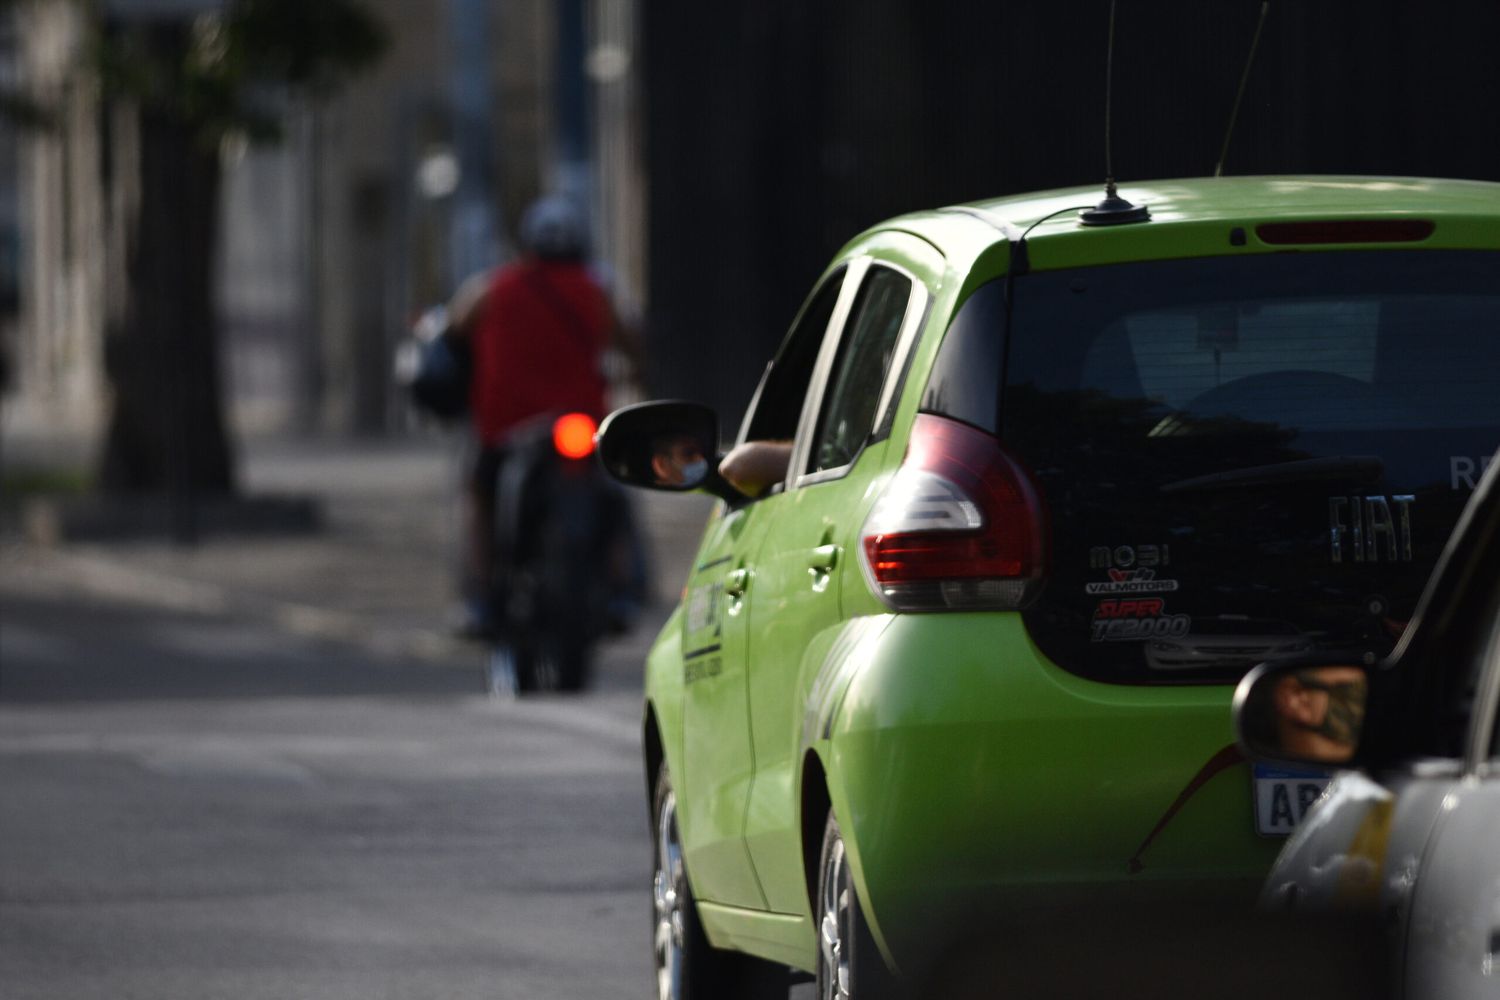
column 777, row 129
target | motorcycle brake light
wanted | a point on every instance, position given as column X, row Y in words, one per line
column 573, row 435
column 960, row 526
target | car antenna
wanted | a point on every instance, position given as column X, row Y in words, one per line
column 1234, row 113
column 1113, row 210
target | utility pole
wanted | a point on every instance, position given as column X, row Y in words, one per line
column 474, row 242
column 570, row 101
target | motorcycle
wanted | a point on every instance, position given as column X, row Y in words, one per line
column 569, row 562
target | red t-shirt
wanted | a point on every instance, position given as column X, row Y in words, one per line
column 537, row 342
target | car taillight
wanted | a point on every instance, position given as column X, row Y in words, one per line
column 960, row 525
column 573, row 435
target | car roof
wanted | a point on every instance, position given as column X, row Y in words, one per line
column 1466, row 213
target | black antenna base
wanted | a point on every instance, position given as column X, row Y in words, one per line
column 1114, row 210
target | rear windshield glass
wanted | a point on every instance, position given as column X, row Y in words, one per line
column 1244, row 458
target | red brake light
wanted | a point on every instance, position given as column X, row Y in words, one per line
column 573, row 435
column 1345, row 231
column 960, row 525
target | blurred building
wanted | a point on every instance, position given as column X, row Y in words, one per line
column 335, row 240
column 376, row 204
column 62, row 227
column 10, row 213
column 726, row 151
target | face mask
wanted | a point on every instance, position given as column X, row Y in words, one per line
column 1346, row 713
column 694, row 472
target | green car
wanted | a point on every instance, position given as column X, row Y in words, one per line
column 1055, row 480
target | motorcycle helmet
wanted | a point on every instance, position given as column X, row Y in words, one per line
column 552, row 227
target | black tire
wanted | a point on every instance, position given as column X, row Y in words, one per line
column 687, row 966
column 573, row 663
column 850, row 966
column 528, row 674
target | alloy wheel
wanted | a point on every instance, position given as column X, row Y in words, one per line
column 833, row 923
column 669, row 895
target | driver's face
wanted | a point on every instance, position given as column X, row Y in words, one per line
column 674, row 458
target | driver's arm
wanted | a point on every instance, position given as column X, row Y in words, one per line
column 753, row 467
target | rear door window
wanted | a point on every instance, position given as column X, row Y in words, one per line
column 1244, row 458
column 859, row 369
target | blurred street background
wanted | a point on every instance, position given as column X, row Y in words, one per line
column 242, row 753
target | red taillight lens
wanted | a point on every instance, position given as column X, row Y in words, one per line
column 573, row 435
column 959, row 526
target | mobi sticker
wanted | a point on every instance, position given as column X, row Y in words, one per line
column 1132, row 581
column 1129, row 556
column 1135, row 619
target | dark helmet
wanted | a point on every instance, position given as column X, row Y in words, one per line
column 552, row 227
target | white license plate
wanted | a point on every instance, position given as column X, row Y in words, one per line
column 1283, row 795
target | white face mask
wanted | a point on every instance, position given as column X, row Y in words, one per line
column 694, row 472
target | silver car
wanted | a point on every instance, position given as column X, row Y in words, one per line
column 1408, row 832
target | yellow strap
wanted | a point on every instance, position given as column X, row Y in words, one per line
column 1359, row 876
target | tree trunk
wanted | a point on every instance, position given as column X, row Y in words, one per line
column 167, row 433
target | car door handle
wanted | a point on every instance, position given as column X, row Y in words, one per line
column 823, row 558
column 737, row 582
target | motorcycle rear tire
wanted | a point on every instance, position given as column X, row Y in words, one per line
column 573, row 662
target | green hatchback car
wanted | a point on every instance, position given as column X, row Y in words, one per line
column 1054, row 486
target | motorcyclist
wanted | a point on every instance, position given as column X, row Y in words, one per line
column 538, row 329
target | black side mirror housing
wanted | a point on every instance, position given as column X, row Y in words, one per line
column 670, row 445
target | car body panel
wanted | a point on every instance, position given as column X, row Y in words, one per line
column 1453, row 937
column 953, row 786
column 778, row 937
column 960, row 760
column 794, row 611
column 718, row 762
column 1192, row 218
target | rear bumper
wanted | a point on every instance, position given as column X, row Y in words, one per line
column 976, row 780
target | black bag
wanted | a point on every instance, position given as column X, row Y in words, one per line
column 440, row 385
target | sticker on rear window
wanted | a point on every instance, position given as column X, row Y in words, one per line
column 1131, row 581
column 1129, row 556
column 1137, row 619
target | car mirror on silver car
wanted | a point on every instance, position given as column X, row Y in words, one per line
column 1302, row 713
column 669, row 445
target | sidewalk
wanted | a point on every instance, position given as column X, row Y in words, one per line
column 381, row 573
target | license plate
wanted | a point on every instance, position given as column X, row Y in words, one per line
column 1283, row 795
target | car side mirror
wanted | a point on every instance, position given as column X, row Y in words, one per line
column 1302, row 713
column 670, row 445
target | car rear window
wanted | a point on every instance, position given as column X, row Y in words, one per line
column 1244, row 458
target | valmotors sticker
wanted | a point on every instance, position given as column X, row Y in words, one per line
column 1136, row 619
column 1132, row 581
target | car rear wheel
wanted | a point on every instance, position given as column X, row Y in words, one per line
column 687, row 966
column 850, row 966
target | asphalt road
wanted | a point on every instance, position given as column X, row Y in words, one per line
column 198, row 804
